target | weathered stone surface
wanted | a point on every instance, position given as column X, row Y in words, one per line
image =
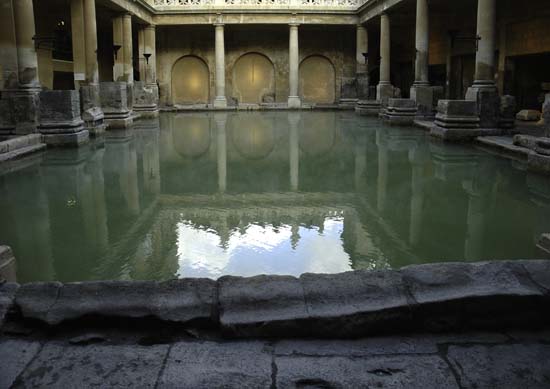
column 461, row 293
column 424, row 98
column 146, row 99
column 14, row 357
column 457, row 114
column 7, row 120
column 368, row 107
column 60, row 111
column 538, row 163
column 539, row 271
column 461, row 134
column 487, row 101
column 374, row 372
column 218, row 365
column 58, row 366
column 384, row 92
column 526, row 141
column 7, row 297
column 91, row 107
column 528, row 115
column 544, row 243
column 354, row 303
column 502, row 366
column 25, row 112
column 116, row 103
column 507, row 110
column 179, row 301
column 261, row 306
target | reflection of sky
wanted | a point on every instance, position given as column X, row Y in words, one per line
column 261, row 250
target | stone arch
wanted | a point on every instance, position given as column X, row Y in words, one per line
column 254, row 79
column 317, row 80
column 190, row 81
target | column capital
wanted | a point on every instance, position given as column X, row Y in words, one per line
column 219, row 24
column 294, row 24
column 150, row 27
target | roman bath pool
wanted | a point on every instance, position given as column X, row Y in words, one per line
column 247, row 193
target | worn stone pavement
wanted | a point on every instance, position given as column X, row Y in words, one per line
column 512, row 359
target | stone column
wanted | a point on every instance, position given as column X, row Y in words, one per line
column 362, row 71
column 448, row 67
column 384, row 91
column 294, row 150
column 293, row 65
column 421, row 92
column 8, row 48
column 221, row 100
column 26, row 101
column 150, row 48
column 118, row 53
column 127, row 48
column 484, row 90
column 79, row 43
column 90, row 27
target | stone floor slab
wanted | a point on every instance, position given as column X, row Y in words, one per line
column 14, row 356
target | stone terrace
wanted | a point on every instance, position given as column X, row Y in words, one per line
column 430, row 326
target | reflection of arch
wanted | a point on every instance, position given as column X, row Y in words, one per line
column 191, row 135
column 318, row 133
column 253, row 136
column 190, row 81
column 254, row 79
column 317, row 80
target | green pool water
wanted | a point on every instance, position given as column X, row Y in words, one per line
column 247, row 193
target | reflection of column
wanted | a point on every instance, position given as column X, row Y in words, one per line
column 417, row 157
column 475, row 224
column 382, row 186
column 221, row 149
column 151, row 162
column 220, row 101
column 99, row 208
column 360, row 162
column 293, row 68
column 131, row 181
column 78, row 41
column 294, row 150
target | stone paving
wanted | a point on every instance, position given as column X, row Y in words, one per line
column 454, row 325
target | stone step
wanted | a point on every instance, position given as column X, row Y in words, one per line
column 20, row 146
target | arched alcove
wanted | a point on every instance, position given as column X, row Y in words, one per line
column 190, row 81
column 254, row 79
column 317, row 80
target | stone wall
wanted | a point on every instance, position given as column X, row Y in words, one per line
column 337, row 44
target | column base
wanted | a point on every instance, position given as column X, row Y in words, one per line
column 75, row 139
column 92, row 114
column 26, row 106
column 220, row 102
column 485, row 94
column 294, row 102
column 423, row 95
column 362, row 86
column 384, row 92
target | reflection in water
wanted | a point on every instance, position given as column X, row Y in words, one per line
column 209, row 194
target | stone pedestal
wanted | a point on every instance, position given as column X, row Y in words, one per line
column 400, row 112
column 114, row 100
column 7, row 119
column 424, row 96
column 456, row 120
column 25, row 110
column 92, row 113
column 368, row 107
column 507, row 112
column 488, row 104
column 146, row 99
column 60, row 120
column 362, row 86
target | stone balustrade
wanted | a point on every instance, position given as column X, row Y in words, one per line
column 294, row 4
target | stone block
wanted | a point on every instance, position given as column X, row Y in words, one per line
column 501, row 366
column 546, row 114
column 26, row 109
column 218, row 365
column 507, row 112
column 488, row 104
column 424, row 99
column 262, row 306
column 182, row 301
column 528, row 115
column 7, row 265
column 92, row 114
column 538, row 163
column 60, row 120
column 7, row 119
column 111, row 366
column 384, row 92
column 544, row 243
column 115, row 104
column 15, row 355
column 526, row 141
column 463, row 294
column 400, row 111
column 401, row 371
column 146, row 99
column 368, row 107
column 363, row 86
column 7, row 299
column 355, row 303
column 457, row 114
column 539, row 271
column 348, row 89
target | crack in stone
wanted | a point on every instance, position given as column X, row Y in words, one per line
column 527, row 274
column 274, row 369
column 443, row 353
column 163, row 366
column 18, row 382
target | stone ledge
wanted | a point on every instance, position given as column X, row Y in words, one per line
column 445, row 296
